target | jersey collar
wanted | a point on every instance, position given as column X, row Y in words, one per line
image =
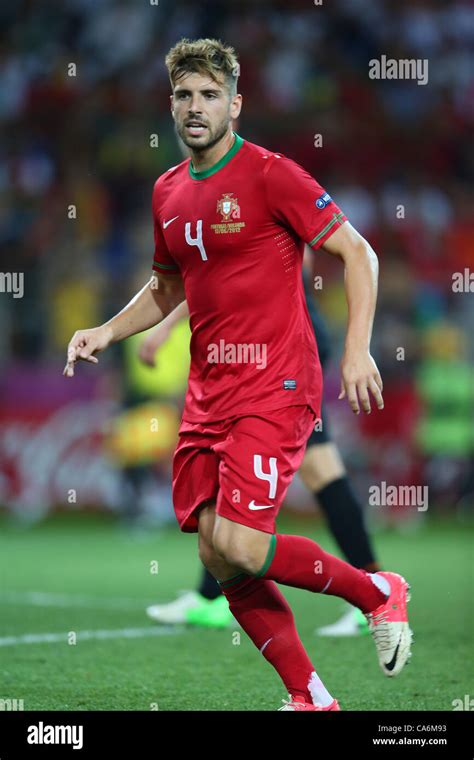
column 238, row 142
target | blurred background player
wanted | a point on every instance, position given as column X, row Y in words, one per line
column 323, row 473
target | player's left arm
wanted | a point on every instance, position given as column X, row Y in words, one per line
column 359, row 374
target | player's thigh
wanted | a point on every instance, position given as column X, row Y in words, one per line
column 258, row 460
column 195, row 474
column 321, row 465
column 206, row 521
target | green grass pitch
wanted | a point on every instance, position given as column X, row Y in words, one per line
column 89, row 559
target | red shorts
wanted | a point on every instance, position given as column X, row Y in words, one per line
column 245, row 464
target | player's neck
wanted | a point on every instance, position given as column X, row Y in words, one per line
column 206, row 159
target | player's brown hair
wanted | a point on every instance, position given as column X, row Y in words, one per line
column 205, row 56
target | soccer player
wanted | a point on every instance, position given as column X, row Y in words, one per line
column 230, row 227
column 323, row 473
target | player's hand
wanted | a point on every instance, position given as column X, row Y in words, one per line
column 360, row 378
column 84, row 344
column 149, row 346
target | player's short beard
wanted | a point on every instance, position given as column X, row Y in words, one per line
column 214, row 136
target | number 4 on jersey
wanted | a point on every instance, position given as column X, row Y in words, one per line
column 198, row 239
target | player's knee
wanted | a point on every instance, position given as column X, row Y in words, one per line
column 307, row 472
column 235, row 551
column 322, row 464
column 224, row 545
column 207, row 553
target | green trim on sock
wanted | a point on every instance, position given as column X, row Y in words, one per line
column 231, row 581
column 269, row 557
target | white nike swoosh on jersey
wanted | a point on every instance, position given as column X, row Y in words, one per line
column 165, row 224
column 254, row 506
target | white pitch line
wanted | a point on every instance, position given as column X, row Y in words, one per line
column 48, row 599
column 120, row 633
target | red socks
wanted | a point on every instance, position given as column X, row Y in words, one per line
column 298, row 561
column 265, row 615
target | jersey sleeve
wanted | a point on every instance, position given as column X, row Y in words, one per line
column 162, row 260
column 299, row 202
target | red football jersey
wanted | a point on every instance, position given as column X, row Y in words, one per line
column 236, row 233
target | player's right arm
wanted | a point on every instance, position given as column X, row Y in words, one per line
column 158, row 298
column 151, row 305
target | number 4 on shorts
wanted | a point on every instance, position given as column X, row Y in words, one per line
column 271, row 477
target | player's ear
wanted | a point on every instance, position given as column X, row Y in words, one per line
column 236, row 106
